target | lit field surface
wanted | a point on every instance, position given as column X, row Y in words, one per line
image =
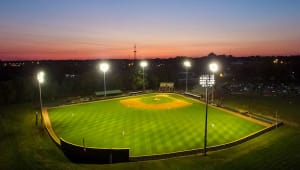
column 147, row 124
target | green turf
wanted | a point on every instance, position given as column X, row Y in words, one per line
column 109, row 124
column 287, row 108
column 26, row 146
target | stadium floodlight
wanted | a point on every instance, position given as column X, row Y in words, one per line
column 206, row 81
column 213, row 67
column 143, row 65
column 187, row 64
column 104, row 68
column 41, row 79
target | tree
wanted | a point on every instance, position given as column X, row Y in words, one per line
column 136, row 78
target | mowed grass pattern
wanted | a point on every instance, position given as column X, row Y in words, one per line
column 109, row 124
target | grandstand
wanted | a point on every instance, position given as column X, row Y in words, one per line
column 109, row 92
column 198, row 90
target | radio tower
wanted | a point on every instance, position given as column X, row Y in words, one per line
column 134, row 52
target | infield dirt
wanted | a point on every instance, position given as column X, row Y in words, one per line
column 137, row 103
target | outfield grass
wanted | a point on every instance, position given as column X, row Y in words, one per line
column 26, row 146
column 287, row 108
column 109, row 124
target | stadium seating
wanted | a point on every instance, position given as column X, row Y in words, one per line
column 108, row 92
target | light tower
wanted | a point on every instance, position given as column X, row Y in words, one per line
column 143, row 65
column 206, row 81
column 186, row 64
column 40, row 78
column 104, row 67
column 213, row 67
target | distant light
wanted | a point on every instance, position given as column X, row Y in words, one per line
column 104, row 67
column 144, row 64
column 187, row 64
column 275, row 61
column 213, row 67
column 221, row 75
column 40, row 77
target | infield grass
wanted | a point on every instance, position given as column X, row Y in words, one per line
column 110, row 124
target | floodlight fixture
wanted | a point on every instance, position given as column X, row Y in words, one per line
column 143, row 64
column 187, row 63
column 213, row 67
column 40, row 77
column 104, row 67
column 207, row 80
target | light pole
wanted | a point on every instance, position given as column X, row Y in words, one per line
column 104, row 67
column 206, row 81
column 213, row 67
column 186, row 64
column 40, row 78
column 143, row 65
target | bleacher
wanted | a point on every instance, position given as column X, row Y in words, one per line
column 193, row 95
column 108, row 92
column 135, row 93
column 198, row 90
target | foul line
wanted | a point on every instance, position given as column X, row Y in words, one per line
column 231, row 112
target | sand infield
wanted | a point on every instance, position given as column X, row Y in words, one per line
column 137, row 103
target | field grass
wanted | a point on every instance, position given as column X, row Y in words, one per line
column 287, row 108
column 24, row 145
column 109, row 124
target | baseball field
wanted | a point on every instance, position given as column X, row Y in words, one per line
column 148, row 124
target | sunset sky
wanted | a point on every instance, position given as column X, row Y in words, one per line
column 91, row 29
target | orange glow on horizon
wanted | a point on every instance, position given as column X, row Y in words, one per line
column 86, row 51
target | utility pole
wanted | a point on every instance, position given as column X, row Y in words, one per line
column 134, row 52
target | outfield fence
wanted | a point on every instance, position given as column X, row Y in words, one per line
column 81, row 154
